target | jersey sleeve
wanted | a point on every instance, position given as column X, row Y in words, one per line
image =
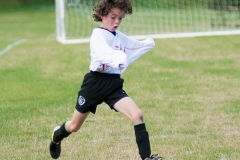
column 102, row 53
column 135, row 48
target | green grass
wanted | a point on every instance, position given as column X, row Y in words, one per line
column 187, row 88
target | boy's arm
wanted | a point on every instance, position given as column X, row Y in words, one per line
column 135, row 49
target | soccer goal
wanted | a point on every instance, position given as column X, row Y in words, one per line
column 154, row 18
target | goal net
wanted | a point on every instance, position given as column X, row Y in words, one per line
column 155, row 18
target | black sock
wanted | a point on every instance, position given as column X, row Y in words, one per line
column 60, row 134
column 142, row 140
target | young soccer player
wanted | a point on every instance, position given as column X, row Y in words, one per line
column 111, row 52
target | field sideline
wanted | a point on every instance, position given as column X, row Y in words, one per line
column 188, row 89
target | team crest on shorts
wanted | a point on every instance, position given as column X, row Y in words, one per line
column 81, row 100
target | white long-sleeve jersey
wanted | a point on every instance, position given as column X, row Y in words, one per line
column 112, row 53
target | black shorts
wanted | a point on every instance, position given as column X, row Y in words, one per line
column 97, row 88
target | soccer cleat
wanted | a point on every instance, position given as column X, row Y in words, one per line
column 55, row 148
column 154, row 157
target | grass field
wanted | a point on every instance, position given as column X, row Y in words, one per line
column 188, row 89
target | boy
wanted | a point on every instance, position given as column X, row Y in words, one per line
column 111, row 53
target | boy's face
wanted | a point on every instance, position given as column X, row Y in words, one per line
column 113, row 19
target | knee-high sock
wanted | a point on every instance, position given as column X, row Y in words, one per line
column 60, row 133
column 142, row 140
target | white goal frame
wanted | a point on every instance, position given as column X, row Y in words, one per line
column 61, row 34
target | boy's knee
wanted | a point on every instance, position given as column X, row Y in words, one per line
column 137, row 115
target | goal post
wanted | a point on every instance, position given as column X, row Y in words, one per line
column 154, row 18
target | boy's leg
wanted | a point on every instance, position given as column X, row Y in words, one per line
column 142, row 140
column 130, row 109
column 59, row 133
column 127, row 106
column 64, row 131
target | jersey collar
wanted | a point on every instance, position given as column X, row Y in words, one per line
column 114, row 32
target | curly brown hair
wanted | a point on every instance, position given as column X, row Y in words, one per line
column 105, row 6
